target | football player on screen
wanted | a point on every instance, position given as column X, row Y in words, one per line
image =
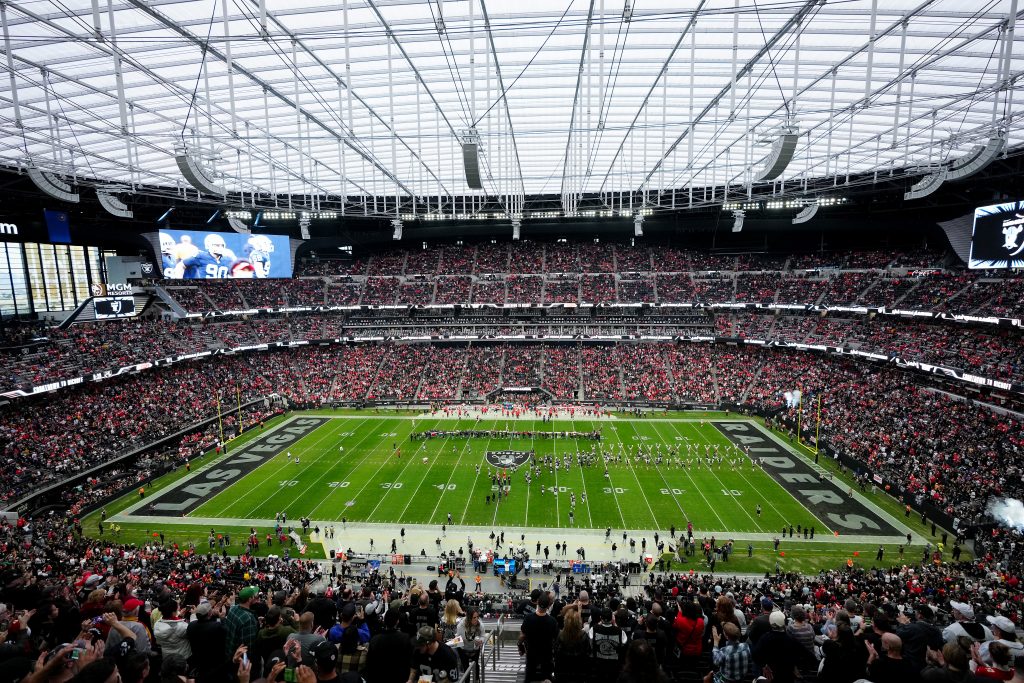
column 213, row 262
column 258, row 249
column 168, row 255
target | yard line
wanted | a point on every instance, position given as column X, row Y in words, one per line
column 768, row 500
column 354, row 468
column 330, row 434
column 675, row 498
column 497, row 503
column 273, row 466
column 533, row 446
column 611, row 484
column 590, row 518
column 654, row 517
column 412, row 459
column 424, row 478
column 757, row 527
column 472, row 490
column 697, row 488
column 331, row 469
column 554, row 455
column 450, row 476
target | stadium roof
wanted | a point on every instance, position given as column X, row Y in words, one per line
column 570, row 99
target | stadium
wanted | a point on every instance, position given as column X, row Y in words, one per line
column 450, row 341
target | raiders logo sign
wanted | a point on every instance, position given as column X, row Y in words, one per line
column 509, row 460
column 147, row 268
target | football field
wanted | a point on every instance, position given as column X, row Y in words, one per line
column 371, row 469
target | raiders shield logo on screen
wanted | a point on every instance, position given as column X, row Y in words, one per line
column 508, row 460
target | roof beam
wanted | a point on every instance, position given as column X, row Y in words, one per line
column 343, row 82
column 520, row 199
column 569, row 202
column 690, row 24
column 821, row 77
column 795, row 20
column 202, row 44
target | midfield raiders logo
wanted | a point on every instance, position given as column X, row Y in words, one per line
column 510, row 460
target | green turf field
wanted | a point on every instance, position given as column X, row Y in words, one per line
column 369, row 482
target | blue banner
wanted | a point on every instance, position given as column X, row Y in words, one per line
column 58, row 226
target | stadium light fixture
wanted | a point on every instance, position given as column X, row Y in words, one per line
column 166, row 213
column 213, row 217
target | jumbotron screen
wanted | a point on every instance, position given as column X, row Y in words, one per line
column 203, row 255
column 998, row 240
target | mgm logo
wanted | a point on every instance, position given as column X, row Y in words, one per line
column 509, row 460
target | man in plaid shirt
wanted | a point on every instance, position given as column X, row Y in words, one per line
column 240, row 624
column 733, row 661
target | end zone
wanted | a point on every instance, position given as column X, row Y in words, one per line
column 828, row 500
column 190, row 492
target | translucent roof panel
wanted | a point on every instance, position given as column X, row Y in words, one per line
column 572, row 99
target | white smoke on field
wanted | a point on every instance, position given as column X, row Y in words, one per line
column 1008, row 511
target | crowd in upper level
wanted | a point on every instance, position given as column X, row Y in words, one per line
column 88, row 348
column 559, row 273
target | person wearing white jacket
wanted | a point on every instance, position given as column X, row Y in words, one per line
column 169, row 631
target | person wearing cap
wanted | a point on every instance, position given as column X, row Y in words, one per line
column 965, row 625
column 919, row 635
column 127, row 628
column 206, row 637
column 389, row 652
column 433, row 658
column 325, row 661
column 240, row 625
column 779, row 651
column 1003, row 631
column 760, row 625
